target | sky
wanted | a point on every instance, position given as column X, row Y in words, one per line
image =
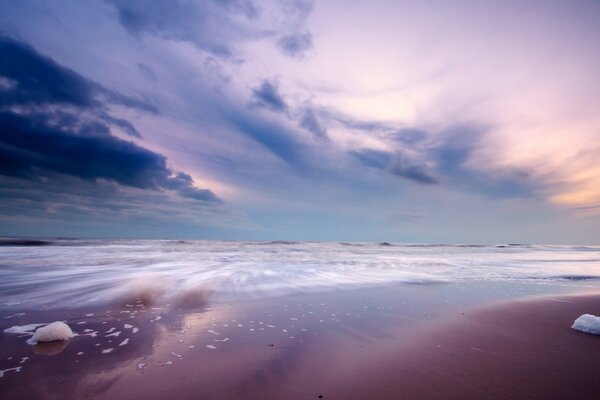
column 399, row 121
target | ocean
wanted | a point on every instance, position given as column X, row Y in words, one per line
column 66, row 273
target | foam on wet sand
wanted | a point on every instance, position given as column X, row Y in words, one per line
column 53, row 332
column 587, row 323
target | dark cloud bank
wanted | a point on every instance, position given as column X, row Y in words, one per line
column 56, row 126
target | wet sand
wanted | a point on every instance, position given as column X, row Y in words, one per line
column 406, row 342
column 518, row 350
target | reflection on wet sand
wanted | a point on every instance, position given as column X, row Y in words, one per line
column 50, row 348
column 106, row 340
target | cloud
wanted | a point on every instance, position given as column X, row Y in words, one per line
column 54, row 123
column 38, row 80
column 295, row 40
column 453, row 153
column 31, row 146
column 147, row 72
column 219, row 27
column 275, row 137
column 410, row 136
column 207, row 24
column 309, row 121
column 33, row 79
column 72, row 206
column 369, row 126
column 405, row 167
column 406, row 216
column 295, row 44
column 396, row 164
column 267, row 95
column 444, row 157
column 372, row 158
column 183, row 184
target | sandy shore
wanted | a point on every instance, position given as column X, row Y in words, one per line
column 374, row 344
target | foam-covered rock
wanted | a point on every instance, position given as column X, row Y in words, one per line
column 51, row 333
column 587, row 323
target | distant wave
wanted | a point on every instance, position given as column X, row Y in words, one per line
column 274, row 242
column 426, row 245
column 25, row 242
column 578, row 277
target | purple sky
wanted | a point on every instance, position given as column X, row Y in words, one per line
column 429, row 121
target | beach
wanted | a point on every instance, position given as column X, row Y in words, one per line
column 381, row 343
column 299, row 199
column 297, row 320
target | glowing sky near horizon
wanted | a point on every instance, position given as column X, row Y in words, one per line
column 476, row 121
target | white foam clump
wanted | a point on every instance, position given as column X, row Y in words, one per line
column 587, row 323
column 19, row 329
column 51, row 333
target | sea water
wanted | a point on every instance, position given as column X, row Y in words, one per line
column 70, row 272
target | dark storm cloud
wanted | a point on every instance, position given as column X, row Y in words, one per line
column 38, row 80
column 53, row 122
column 125, row 125
column 32, row 79
column 31, row 147
column 267, row 95
column 183, row 184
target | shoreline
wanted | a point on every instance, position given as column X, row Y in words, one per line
column 370, row 344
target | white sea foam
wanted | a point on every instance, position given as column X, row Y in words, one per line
column 53, row 332
column 3, row 371
column 142, row 273
column 587, row 323
column 24, row 329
